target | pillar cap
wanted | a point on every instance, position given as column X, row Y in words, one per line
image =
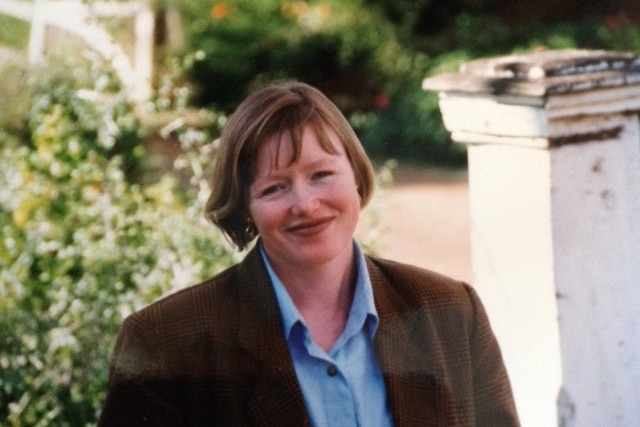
column 541, row 74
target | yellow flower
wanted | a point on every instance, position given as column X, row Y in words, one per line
column 22, row 213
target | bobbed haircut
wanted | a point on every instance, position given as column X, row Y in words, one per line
column 283, row 107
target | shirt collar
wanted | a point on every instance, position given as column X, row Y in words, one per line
column 363, row 306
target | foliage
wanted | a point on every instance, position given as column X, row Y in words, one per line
column 336, row 45
column 82, row 245
column 482, row 34
column 370, row 56
column 408, row 127
column 13, row 114
column 360, row 52
column 13, row 32
column 354, row 54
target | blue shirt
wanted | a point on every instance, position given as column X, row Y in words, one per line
column 342, row 388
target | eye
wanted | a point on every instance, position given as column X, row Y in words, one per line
column 322, row 174
column 272, row 189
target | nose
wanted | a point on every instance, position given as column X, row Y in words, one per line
column 303, row 200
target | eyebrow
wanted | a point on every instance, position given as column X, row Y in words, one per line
column 314, row 164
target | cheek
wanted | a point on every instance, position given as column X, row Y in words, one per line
column 264, row 216
column 349, row 198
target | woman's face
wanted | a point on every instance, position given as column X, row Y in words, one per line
column 306, row 212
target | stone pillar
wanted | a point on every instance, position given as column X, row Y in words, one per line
column 554, row 181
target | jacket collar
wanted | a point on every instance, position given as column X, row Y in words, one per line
column 408, row 362
column 276, row 399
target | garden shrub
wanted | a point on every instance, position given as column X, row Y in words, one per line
column 408, row 127
column 346, row 50
column 82, row 245
column 353, row 53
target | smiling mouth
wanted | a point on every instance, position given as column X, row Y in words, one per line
column 310, row 227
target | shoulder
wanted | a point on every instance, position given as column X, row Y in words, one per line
column 413, row 279
column 408, row 286
column 195, row 305
column 214, row 301
column 202, row 322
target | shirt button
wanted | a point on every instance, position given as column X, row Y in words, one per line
column 332, row 371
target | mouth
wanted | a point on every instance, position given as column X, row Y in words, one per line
column 311, row 227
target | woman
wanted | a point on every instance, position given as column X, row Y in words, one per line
column 306, row 330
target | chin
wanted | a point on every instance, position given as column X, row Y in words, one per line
column 320, row 254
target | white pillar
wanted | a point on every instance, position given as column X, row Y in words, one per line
column 144, row 48
column 554, row 182
column 37, row 32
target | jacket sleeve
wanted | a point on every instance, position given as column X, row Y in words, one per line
column 139, row 391
column 491, row 387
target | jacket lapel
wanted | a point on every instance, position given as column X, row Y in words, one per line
column 407, row 357
column 276, row 399
column 407, row 353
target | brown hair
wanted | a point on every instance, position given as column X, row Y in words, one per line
column 273, row 110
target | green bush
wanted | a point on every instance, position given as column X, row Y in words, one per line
column 353, row 53
column 15, row 90
column 14, row 32
column 345, row 49
column 408, row 127
column 82, row 245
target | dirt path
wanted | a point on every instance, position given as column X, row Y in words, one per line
column 426, row 221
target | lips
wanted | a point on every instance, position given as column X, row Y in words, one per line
column 309, row 228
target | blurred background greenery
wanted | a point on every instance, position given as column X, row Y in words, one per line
column 101, row 199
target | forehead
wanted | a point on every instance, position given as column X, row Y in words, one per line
column 285, row 147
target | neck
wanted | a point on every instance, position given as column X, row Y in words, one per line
column 323, row 295
column 330, row 283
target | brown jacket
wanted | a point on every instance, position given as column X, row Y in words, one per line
column 215, row 355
